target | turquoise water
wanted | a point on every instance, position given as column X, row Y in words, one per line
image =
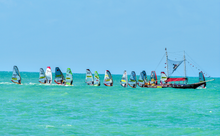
column 35, row 109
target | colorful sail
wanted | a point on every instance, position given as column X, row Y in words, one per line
column 163, row 78
column 96, row 79
column 69, row 77
column 42, row 76
column 132, row 81
column 124, row 79
column 153, row 78
column 145, row 76
column 89, row 78
column 16, row 77
column 108, row 81
column 59, row 78
column 173, row 65
column 142, row 79
column 202, row 78
column 48, row 75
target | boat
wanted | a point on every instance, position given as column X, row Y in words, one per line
column 59, row 78
column 69, row 77
column 48, row 75
column 16, row 77
column 175, row 82
column 96, row 79
column 108, row 81
column 124, row 79
column 42, row 76
column 89, row 79
column 142, row 79
column 132, row 80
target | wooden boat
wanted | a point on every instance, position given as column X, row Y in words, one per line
column 178, row 82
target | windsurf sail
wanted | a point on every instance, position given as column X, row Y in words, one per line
column 59, row 78
column 16, row 77
column 69, row 77
column 163, row 78
column 49, row 75
column 145, row 75
column 202, row 78
column 132, row 80
column 153, row 78
column 108, row 81
column 96, row 79
column 89, row 78
column 124, row 79
column 42, row 76
column 141, row 80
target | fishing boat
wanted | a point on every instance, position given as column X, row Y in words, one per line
column 175, row 82
column 89, row 79
column 142, row 79
column 48, row 75
column 108, row 81
column 69, row 77
column 132, row 80
column 16, row 77
column 124, row 79
column 42, row 76
column 59, row 78
column 96, row 79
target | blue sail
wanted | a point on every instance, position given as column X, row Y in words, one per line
column 132, row 81
column 59, row 78
column 173, row 65
column 202, row 78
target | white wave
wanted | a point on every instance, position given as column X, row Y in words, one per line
column 49, row 126
column 6, row 83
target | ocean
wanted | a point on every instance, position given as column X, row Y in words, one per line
column 37, row 109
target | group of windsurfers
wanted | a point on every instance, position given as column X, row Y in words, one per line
column 46, row 78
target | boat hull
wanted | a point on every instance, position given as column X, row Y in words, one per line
column 178, row 86
column 189, row 86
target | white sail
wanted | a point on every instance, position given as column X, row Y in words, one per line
column 89, row 78
column 108, row 81
column 163, row 78
column 96, row 79
column 16, row 77
column 42, row 76
column 132, row 81
column 124, row 79
column 48, row 75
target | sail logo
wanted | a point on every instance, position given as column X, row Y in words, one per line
column 175, row 66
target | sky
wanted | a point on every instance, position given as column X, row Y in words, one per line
column 113, row 35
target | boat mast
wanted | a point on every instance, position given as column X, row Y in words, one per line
column 184, row 63
column 167, row 62
column 126, row 78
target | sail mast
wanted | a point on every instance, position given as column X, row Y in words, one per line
column 167, row 62
column 184, row 64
